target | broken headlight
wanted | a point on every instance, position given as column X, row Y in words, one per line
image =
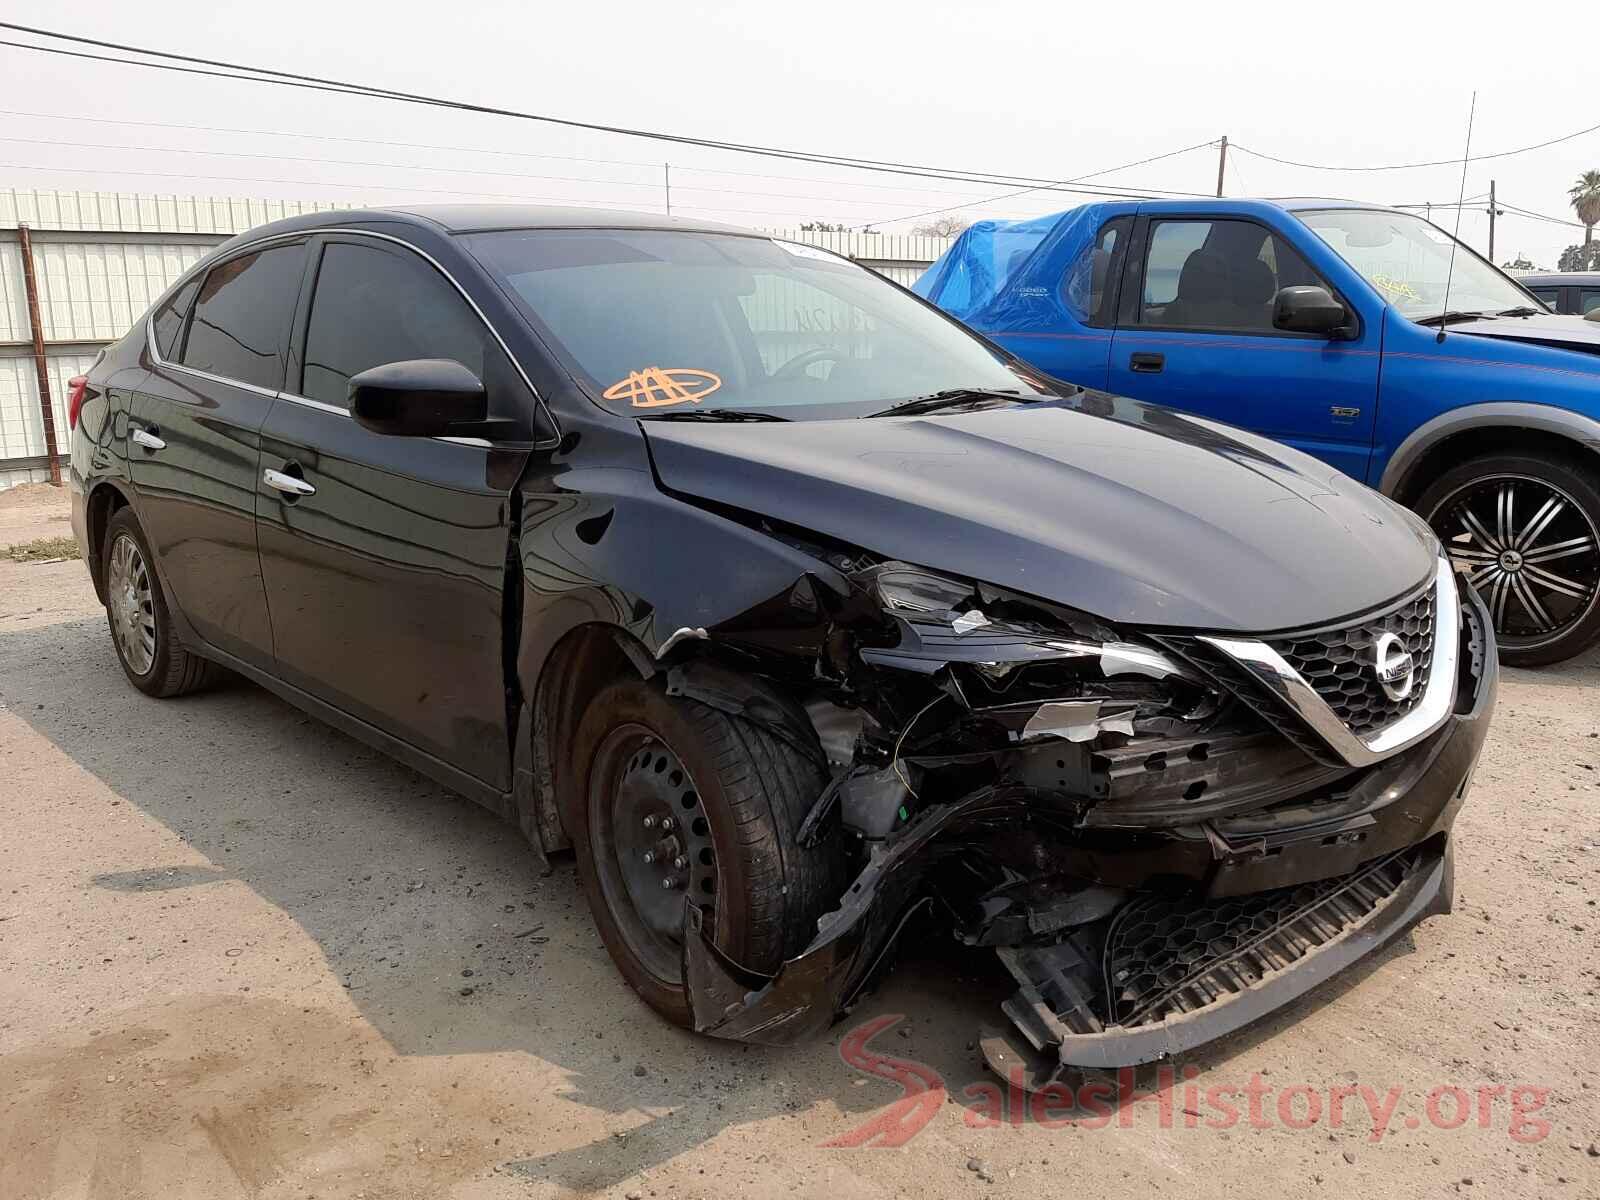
column 1038, row 669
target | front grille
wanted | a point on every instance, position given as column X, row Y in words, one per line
column 1339, row 663
column 1167, row 956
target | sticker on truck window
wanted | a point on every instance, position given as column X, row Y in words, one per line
column 1391, row 286
column 659, row 387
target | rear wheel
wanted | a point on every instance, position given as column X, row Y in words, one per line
column 153, row 658
column 681, row 802
column 1526, row 533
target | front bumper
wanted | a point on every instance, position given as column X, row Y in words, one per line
column 1397, row 814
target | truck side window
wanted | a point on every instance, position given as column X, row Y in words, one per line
column 1219, row 275
column 1588, row 300
column 1085, row 288
column 1550, row 295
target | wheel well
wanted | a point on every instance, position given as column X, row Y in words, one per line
column 1489, row 439
column 582, row 663
column 102, row 503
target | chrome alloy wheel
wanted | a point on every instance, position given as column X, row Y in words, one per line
column 132, row 607
column 652, row 844
column 1529, row 549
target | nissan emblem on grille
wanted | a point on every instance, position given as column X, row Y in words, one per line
column 1395, row 668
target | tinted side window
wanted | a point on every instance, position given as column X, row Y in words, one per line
column 374, row 306
column 169, row 318
column 1550, row 295
column 1085, row 288
column 242, row 314
column 1588, row 300
column 1218, row 275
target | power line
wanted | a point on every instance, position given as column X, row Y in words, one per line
column 268, row 75
column 1059, row 186
column 346, row 162
column 323, row 183
column 322, row 137
column 1443, row 162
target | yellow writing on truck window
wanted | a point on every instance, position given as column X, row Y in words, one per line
column 1398, row 288
column 658, row 387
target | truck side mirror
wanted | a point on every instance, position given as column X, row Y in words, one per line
column 1308, row 308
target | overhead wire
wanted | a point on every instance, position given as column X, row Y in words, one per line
column 268, row 75
column 1442, row 162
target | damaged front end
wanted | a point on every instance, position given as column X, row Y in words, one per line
column 1162, row 837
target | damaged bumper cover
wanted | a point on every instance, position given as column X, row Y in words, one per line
column 1288, row 892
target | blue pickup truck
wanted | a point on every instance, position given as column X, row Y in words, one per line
column 1325, row 324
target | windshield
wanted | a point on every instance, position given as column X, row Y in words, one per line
column 1408, row 259
column 662, row 322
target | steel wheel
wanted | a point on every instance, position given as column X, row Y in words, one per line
column 128, row 597
column 1529, row 548
column 652, row 845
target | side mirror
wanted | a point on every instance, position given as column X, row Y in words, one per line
column 421, row 397
column 1308, row 308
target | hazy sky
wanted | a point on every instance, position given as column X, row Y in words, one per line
column 1049, row 90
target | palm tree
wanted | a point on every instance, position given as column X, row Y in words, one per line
column 1586, row 200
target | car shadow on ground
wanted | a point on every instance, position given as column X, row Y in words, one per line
column 432, row 914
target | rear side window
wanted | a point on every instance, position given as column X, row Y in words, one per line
column 1086, row 287
column 169, row 318
column 241, row 316
column 374, row 306
column 1588, row 300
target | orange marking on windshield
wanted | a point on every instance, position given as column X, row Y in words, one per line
column 657, row 387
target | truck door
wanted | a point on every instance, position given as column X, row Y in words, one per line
column 1194, row 331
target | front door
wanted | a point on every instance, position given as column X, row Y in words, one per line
column 1195, row 332
column 217, row 358
column 386, row 558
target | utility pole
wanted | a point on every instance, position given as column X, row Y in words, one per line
column 1493, row 213
column 1222, row 162
column 666, row 175
column 40, row 362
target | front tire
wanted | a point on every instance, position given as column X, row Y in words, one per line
column 1525, row 531
column 673, row 790
column 147, row 645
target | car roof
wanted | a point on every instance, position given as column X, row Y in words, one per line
column 479, row 218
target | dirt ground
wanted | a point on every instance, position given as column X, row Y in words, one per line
column 243, row 956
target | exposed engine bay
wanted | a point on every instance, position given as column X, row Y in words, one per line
column 1157, row 850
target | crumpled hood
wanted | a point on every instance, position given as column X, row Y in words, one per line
column 1134, row 513
column 1560, row 331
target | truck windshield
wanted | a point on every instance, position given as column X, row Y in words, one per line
column 1407, row 259
column 658, row 323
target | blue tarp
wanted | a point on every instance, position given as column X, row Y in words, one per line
column 1016, row 274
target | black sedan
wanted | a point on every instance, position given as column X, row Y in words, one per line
column 1173, row 719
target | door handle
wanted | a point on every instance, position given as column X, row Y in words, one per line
column 289, row 485
column 148, row 439
column 1147, row 364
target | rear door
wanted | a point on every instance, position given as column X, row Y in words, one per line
column 217, row 357
column 1195, row 331
column 386, row 558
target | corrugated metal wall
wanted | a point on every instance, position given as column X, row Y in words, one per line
column 101, row 259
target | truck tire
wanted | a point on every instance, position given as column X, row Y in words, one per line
column 1525, row 531
column 152, row 656
column 673, row 790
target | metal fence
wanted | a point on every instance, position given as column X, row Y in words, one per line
column 101, row 258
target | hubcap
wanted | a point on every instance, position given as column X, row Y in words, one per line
column 1529, row 549
column 652, row 844
column 133, row 613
